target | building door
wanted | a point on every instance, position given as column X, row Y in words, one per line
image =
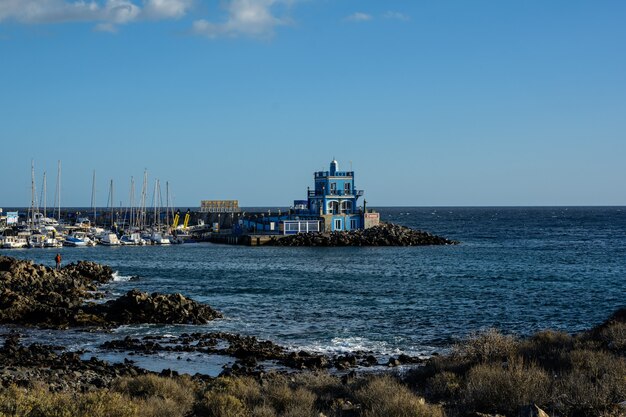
column 338, row 224
column 353, row 224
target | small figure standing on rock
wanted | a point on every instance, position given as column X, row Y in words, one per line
column 57, row 259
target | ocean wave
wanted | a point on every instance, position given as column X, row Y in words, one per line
column 121, row 278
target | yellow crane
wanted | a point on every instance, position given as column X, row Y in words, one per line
column 186, row 221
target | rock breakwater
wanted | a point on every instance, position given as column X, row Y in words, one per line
column 386, row 234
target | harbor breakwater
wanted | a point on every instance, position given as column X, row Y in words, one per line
column 385, row 234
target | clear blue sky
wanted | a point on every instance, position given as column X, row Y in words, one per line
column 435, row 103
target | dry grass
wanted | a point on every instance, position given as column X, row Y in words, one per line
column 595, row 381
column 487, row 346
column 385, row 397
column 39, row 402
column 504, row 388
column 162, row 397
column 614, row 337
column 547, row 348
column 444, row 386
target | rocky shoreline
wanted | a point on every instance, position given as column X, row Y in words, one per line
column 385, row 234
column 488, row 375
column 36, row 295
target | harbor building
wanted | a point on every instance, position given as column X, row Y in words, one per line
column 334, row 199
column 331, row 206
column 219, row 206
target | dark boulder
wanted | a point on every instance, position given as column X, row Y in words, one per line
column 385, row 234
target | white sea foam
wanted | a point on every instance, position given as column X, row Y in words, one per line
column 345, row 345
column 118, row 277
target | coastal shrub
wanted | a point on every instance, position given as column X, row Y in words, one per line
column 486, row 346
column 289, row 400
column 163, row 396
column 39, row 402
column 327, row 388
column 263, row 410
column 245, row 388
column 595, row 382
column 547, row 348
column 444, row 385
column 105, row 404
column 384, row 396
column 614, row 337
column 220, row 404
column 504, row 387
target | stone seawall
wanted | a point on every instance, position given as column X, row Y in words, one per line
column 385, row 234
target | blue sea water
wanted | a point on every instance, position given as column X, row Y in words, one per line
column 517, row 269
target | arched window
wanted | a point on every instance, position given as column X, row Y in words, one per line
column 333, row 207
column 346, row 207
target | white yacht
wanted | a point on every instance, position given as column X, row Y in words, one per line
column 159, row 239
column 78, row 239
column 110, row 239
column 13, row 242
column 132, row 239
column 37, row 240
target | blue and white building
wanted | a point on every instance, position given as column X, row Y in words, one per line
column 334, row 199
column 332, row 205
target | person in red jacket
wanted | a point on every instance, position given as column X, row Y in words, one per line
column 57, row 259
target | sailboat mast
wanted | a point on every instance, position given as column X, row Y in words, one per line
column 45, row 197
column 144, row 192
column 93, row 197
column 32, row 193
column 112, row 203
column 132, row 202
column 57, row 194
column 167, row 204
column 154, row 202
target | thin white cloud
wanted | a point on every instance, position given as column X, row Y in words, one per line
column 359, row 17
column 106, row 13
column 105, row 27
column 253, row 18
column 396, row 16
column 167, row 9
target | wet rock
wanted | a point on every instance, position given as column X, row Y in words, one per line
column 385, row 234
column 37, row 295
column 139, row 307
column 393, row 362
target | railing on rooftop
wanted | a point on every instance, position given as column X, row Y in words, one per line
column 316, row 193
column 323, row 174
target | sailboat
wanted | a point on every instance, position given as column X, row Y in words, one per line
column 156, row 237
column 131, row 236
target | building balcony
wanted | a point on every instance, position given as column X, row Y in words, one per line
column 336, row 193
column 324, row 174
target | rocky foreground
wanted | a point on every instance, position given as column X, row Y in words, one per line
column 488, row 375
column 385, row 234
column 37, row 295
